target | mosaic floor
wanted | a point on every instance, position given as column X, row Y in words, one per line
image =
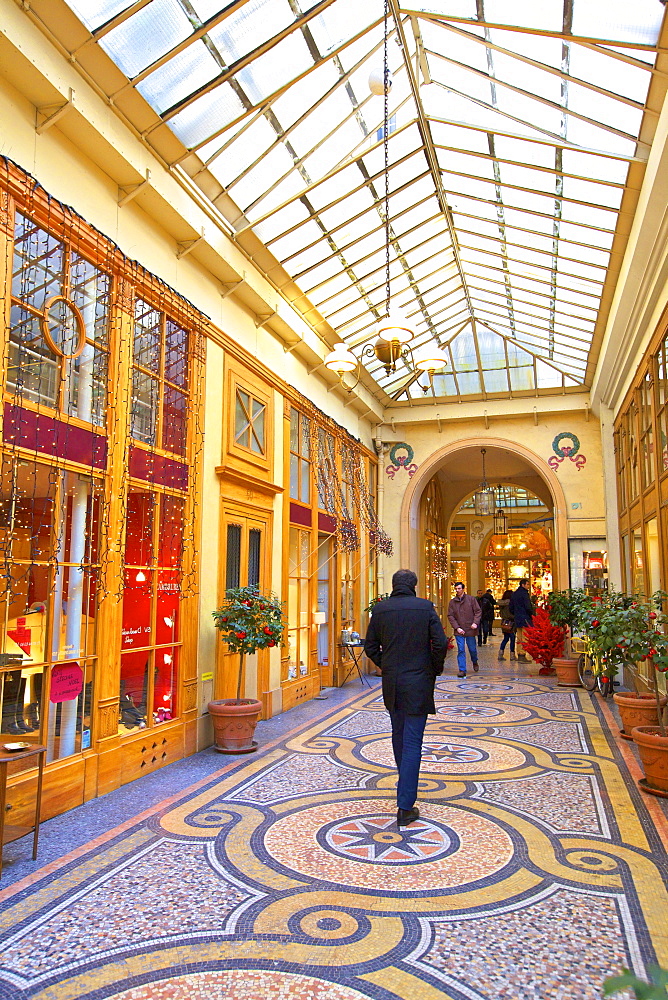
column 536, row 870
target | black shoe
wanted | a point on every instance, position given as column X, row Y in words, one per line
column 462, row 673
column 475, row 666
column 406, row 816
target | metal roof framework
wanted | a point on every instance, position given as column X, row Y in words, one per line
column 519, row 133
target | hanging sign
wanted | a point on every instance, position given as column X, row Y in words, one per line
column 66, row 682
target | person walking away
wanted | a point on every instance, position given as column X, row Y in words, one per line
column 406, row 640
column 464, row 615
column 507, row 625
column 487, row 607
column 520, row 605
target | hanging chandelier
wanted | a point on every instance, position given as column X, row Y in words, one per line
column 484, row 498
column 500, row 521
column 393, row 331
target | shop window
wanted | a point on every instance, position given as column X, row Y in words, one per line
column 298, row 603
column 327, row 475
column 58, row 333
column 662, row 406
column 236, row 557
column 588, row 564
column 159, row 380
column 300, row 457
column 637, row 563
column 524, row 552
column 151, row 608
column 459, row 537
column 49, row 531
column 647, row 464
column 249, row 422
column 459, row 573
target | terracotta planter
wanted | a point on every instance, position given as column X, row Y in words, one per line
column 636, row 710
column 234, row 724
column 567, row 672
column 653, row 749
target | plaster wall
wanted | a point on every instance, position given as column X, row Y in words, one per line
column 577, row 494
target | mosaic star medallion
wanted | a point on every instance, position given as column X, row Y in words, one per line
column 377, row 839
column 448, row 755
column 336, row 841
column 487, row 714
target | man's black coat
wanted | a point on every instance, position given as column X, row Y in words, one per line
column 406, row 640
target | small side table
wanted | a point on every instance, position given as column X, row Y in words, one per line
column 7, row 832
column 354, row 651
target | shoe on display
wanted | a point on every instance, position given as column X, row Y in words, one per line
column 462, row 673
column 406, row 816
column 475, row 666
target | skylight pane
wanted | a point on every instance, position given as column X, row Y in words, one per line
column 247, row 28
column 147, row 35
column 618, row 20
column 296, row 101
column 611, row 74
column 206, row 115
column 271, row 167
column 95, row 13
column 334, row 109
column 271, row 71
column 277, row 224
column 546, row 15
column 340, row 22
column 244, row 150
column 179, row 78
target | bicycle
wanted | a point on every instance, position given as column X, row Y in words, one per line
column 591, row 670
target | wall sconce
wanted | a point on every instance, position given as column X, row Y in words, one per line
column 430, row 360
column 341, row 361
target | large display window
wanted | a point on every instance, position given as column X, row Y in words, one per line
column 522, row 553
column 151, row 609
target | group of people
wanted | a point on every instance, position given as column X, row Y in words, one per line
column 406, row 640
column 472, row 619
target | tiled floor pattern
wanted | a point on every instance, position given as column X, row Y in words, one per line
column 534, row 872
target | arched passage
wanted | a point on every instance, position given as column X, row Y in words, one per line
column 448, row 456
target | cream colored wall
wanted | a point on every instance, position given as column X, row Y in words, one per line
column 584, row 488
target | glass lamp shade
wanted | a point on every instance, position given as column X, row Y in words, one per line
column 377, row 81
column 431, row 359
column 395, row 326
column 484, row 501
column 340, row 360
column 500, row 522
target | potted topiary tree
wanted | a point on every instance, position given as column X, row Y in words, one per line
column 652, row 740
column 566, row 608
column 247, row 621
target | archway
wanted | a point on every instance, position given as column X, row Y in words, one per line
column 455, row 455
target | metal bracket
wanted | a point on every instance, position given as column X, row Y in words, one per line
column 185, row 247
column 128, row 193
column 486, row 421
column 231, row 288
column 263, row 320
column 51, row 116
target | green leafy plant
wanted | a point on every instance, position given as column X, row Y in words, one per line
column 654, row 990
column 373, row 602
column 248, row 621
column 566, row 609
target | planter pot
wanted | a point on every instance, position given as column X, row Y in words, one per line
column 636, row 710
column 234, row 724
column 567, row 672
column 653, row 749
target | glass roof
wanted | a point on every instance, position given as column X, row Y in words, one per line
column 518, row 133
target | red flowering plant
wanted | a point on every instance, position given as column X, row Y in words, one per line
column 248, row 621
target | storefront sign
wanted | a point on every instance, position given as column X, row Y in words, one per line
column 66, row 682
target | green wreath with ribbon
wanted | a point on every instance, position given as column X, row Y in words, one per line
column 399, row 461
column 560, row 451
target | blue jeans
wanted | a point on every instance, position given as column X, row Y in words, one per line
column 470, row 641
column 504, row 642
column 407, row 733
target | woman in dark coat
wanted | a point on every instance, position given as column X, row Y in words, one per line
column 406, row 640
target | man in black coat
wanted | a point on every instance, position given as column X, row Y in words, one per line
column 406, row 640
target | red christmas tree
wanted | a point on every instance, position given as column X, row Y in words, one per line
column 544, row 641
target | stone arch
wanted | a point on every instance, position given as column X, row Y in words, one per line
column 409, row 542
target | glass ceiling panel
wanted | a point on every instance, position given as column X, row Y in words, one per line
column 254, row 23
column 147, row 35
column 532, row 154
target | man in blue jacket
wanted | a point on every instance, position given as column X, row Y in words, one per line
column 522, row 611
column 406, row 640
